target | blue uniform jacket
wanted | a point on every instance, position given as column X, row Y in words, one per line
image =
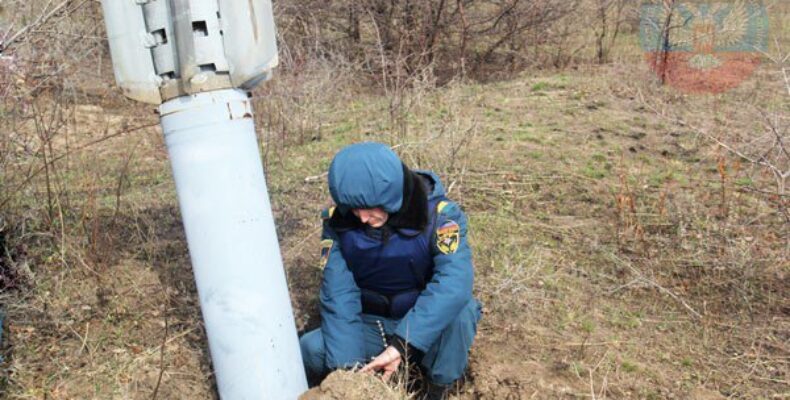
column 449, row 290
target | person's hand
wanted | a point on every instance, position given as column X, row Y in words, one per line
column 388, row 361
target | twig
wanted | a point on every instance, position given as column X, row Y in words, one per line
column 674, row 296
column 20, row 34
column 162, row 351
column 150, row 351
column 83, row 338
column 662, row 289
column 121, row 177
column 298, row 246
column 164, row 338
column 53, row 160
column 315, row 178
column 610, row 343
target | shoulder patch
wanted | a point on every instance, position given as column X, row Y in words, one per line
column 442, row 204
column 448, row 237
column 327, row 213
column 326, row 248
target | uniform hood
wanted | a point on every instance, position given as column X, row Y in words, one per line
column 366, row 175
column 435, row 188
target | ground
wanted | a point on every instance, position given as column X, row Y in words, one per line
column 618, row 253
column 342, row 385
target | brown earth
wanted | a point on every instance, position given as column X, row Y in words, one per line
column 504, row 371
column 343, row 385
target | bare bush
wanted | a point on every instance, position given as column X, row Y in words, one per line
column 611, row 16
column 52, row 61
column 45, row 71
column 456, row 37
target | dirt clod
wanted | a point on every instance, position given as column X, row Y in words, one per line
column 342, row 385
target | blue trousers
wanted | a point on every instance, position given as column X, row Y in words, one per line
column 444, row 362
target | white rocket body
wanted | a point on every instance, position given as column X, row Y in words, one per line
column 196, row 58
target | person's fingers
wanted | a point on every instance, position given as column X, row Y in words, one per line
column 387, row 374
column 371, row 366
column 384, row 360
column 374, row 365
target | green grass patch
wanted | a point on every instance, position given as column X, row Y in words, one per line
column 540, row 86
column 744, row 181
column 596, row 170
column 535, row 155
column 343, row 127
column 578, row 369
column 627, row 320
column 528, row 135
column 628, row 367
column 587, row 326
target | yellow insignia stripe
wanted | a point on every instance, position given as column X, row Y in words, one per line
column 441, row 206
column 326, row 247
column 327, row 212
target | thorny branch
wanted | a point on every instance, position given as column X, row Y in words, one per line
column 42, row 19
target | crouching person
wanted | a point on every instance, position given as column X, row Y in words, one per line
column 397, row 273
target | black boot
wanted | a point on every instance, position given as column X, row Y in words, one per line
column 437, row 392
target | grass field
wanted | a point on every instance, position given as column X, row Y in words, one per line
column 619, row 252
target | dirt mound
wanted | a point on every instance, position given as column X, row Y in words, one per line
column 343, row 385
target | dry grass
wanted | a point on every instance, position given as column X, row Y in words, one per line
column 577, row 287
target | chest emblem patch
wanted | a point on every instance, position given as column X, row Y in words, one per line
column 448, row 236
column 326, row 248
